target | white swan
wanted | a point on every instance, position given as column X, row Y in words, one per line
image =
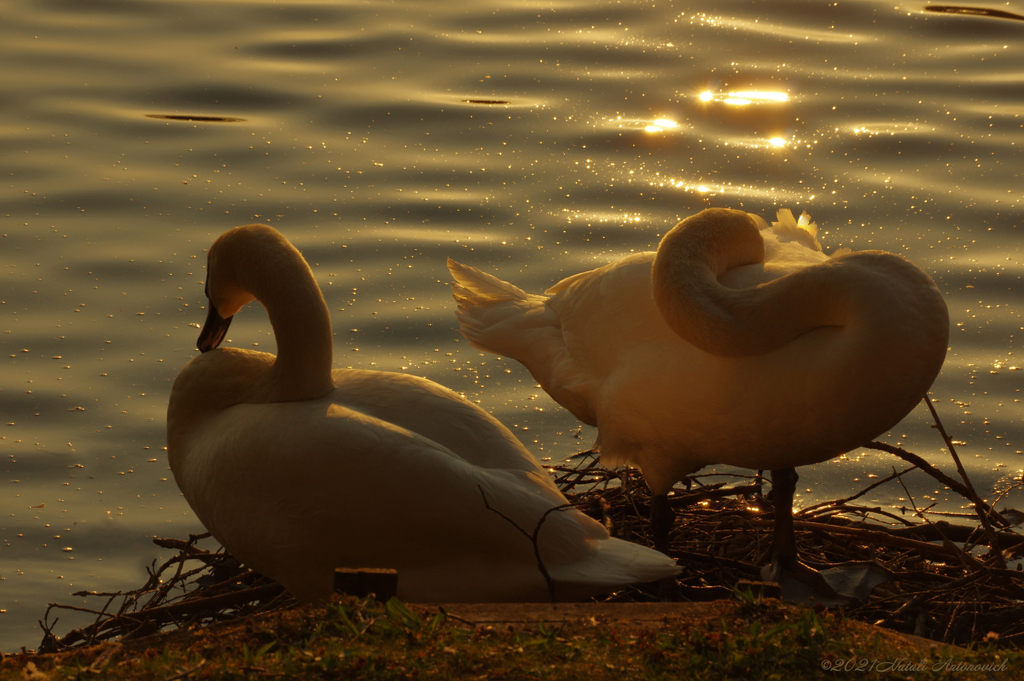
column 732, row 345
column 298, row 470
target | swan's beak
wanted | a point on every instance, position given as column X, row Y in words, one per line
column 214, row 330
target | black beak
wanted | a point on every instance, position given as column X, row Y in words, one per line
column 214, row 330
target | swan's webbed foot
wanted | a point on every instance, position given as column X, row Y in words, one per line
column 841, row 584
column 800, row 583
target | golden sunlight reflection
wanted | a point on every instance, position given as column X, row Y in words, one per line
column 887, row 128
column 772, row 193
column 745, row 97
column 657, row 125
column 660, row 125
column 601, row 217
column 770, row 143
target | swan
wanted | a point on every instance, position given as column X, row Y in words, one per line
column 735, row 343
column 297, row 469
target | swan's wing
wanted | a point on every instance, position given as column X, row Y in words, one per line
column 434, row 412
column 609, row 311
column 297, row 489
column 583, row 343
column 568, row 281
column 786, row 250
column 500, row 318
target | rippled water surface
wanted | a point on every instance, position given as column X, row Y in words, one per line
column 532, row 139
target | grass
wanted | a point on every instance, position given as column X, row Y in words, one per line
column 361, row 639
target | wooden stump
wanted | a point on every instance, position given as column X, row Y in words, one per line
column 381, row 582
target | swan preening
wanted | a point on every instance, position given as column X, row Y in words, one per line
column 735, row 343
column 298, row 470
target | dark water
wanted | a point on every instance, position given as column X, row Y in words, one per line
column 532, row 139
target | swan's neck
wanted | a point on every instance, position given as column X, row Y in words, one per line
column 302, row 327
column 685, row 286
column 868, row 293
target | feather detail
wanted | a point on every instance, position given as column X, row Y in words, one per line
column 802, row 230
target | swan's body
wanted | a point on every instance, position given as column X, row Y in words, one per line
column 298, row 470
column 735, row 343
column 774, row 354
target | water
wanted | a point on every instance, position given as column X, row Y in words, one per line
column 531, row 139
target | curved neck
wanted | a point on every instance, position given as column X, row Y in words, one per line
column 302, row 325
column 875, row 296
column 738, row 322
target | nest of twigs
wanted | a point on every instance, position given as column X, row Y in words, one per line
column 948, row 585
column 195, row 587
column 951, row 582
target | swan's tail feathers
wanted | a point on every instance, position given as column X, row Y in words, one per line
column 803, row 230
column 478, row 287
column 494, row 315
column 614, row 565
column 498, row 317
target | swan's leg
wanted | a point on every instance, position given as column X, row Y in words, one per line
column 662, row 518
column 784, row 538
column 785, row 559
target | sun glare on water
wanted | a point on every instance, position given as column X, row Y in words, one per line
column 661, row 124
column 744, row 97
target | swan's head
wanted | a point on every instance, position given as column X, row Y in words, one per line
column 719, row 238
column 233, row 268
